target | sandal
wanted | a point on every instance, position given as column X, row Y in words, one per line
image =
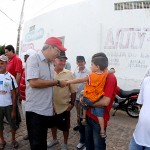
column 103, row 135
column 14, row 144
column 2, row 145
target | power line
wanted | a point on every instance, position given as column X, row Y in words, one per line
column 8, row 17
column 44, row 7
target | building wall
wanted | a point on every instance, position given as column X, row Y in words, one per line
column 126, row 41
column 93, row 26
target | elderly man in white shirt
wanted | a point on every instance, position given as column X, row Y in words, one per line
column 39, row 92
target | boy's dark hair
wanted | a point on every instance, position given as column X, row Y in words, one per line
column 100, row 61
column 10, row 48
column 101, row 54
column 112, row 68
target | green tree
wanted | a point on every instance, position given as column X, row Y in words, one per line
column 2, row 50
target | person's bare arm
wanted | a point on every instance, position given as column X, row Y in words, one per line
column 73, row 97
column 78, row 110
column 18, row 78
column 104, row 101
column 40, row 83
column 79, row 80
column 13, row 113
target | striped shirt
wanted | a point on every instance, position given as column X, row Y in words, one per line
column 39, row 100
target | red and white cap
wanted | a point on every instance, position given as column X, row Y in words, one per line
column 3, row 58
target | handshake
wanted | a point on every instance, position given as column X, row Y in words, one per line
column 63, row 83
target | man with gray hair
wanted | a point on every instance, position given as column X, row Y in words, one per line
column 39, row 92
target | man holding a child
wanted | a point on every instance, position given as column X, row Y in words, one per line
column 93, row 138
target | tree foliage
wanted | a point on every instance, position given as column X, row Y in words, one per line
column 2, row 49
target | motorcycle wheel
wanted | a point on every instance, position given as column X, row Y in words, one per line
column 132, row 109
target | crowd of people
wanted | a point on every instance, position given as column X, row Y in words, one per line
column 48, row 91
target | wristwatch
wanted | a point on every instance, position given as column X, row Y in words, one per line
column 72, row 103
column 58, row 83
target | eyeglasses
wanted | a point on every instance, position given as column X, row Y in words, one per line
column 54, row 47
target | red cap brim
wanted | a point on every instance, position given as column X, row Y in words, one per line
column 61, row 48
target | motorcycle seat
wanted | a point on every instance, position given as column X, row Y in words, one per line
column 124, row 94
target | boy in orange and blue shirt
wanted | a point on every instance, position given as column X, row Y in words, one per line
column 93, row 90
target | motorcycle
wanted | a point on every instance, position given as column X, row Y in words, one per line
column 126, row 101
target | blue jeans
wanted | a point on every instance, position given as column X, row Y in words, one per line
column 134, row 146
column 93, row 138
column 97, row 111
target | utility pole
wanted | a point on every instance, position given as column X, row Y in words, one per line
column 19, row 29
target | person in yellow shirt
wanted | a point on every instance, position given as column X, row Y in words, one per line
column 93, row 91
column 64, row 99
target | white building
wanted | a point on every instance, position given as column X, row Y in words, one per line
column 116, row 27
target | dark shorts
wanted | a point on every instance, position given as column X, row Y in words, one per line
column 6, row 111
column 61, row 121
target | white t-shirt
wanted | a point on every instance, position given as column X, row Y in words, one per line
column 80, row 86
column 142, row 130
column 7, row 83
